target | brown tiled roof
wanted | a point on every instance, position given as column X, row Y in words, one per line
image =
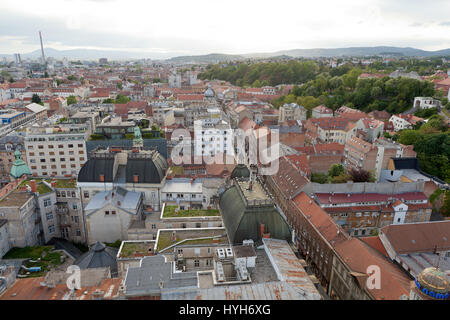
column 358, row 256
column 30, row 289
column 418, row 237
column 320, row 219
column 288, row 178
column 375, row 243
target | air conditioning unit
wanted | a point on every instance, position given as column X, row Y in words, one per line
column 221, row 253
column 242, row 270
column 229, row 252
column 220, row 272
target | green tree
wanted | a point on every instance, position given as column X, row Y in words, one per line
column 36, row 99
column 335, row 170
column 71, row 100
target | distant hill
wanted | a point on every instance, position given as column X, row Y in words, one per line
column 172, row 57
column 208, row 58
column 354, row 51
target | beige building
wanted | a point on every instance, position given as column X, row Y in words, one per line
column 110, row 213
column 58, row 151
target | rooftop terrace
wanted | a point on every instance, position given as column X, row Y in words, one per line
column 135, row 249
column 169, row 212
column 190, row 237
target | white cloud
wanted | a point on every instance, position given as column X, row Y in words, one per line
column 233, row 26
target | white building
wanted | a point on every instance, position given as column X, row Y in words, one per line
column 426, row 103
column 211, row 141
column 109, row 214
column 400, row 123
column 57, row 151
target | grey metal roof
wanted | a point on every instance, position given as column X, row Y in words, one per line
column 242, row 222
column 275, row 290
column 129, row 200
column 154, row 270
column 93, row 168
column 99, row 256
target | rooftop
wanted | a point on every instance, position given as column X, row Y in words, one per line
column 170, row 212
column 166, row 237
column 289, row 269
column 31, row 289
column 15, row 199
column 134, row 249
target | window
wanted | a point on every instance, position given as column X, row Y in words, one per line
column 180, row 251
column 75, row 206
column 208, row 263
column 86, row 194
column 78, row 233
column 47, row 202
column 51, row 229
column 49, row 216
column 198, row 225
column 153, row 226
column 76, row 219
column 107, row 213
column 197, row 263
column 113, row 212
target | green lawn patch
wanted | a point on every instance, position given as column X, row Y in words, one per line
column 169, row 212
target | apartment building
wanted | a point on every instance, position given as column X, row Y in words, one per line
column 365, row 207
column 359, row 154
column 322, row 112
column 402, row 122
column 210, row 141
column 330, row 129
column 58, row 151
column 291, row 112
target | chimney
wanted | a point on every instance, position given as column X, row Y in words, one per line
column 135, row 178
column 102, row 178
column 53, row 184
column 33, row 185
column 261, row 230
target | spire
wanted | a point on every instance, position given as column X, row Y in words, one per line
column 19, row 167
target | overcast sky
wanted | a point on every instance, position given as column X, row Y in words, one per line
column 227, row 26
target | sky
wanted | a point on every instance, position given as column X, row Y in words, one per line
column 191, row 27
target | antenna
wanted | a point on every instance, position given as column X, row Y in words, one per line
column 42, row 48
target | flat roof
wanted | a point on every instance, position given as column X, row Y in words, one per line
column 135, row 249
column 169, row 212
column 16, row 199
column 31, row 289
column 195, row 236
column 257, row 192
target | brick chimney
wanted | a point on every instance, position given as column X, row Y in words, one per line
column 53, row 184
column 33, row 185
column 261, row 230
column 135, row 178
column 102, row 178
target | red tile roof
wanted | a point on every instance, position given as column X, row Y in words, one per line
column 341, row 198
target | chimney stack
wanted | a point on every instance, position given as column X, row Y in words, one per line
column 33, row 185
column 261, row 230
column 53, row 184
column 135, row 178
column 102, row 178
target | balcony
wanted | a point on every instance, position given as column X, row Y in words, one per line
column 62, row 210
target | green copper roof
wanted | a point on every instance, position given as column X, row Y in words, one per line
column 19, row 167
